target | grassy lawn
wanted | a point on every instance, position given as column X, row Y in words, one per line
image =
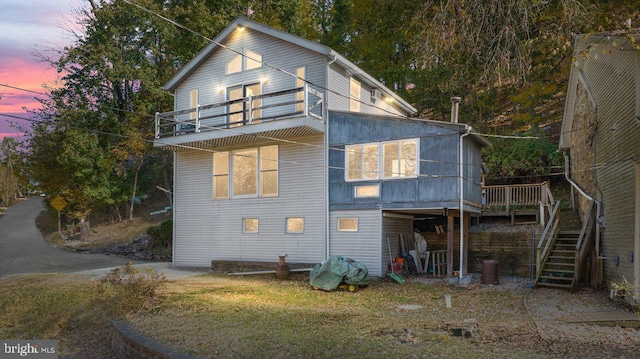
column 216, row 316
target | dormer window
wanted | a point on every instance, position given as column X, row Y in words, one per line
column 248, row 60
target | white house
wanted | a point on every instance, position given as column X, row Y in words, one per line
column 283, row 146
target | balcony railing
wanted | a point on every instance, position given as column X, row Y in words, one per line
column 297, row 102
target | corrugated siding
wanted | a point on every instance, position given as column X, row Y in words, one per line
column 612, row 79
column 209, row 229
column 391, row 229
column 210, row 76
column 363, row 245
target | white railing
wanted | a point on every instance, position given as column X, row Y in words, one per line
column 513, row 196
column 241, row 112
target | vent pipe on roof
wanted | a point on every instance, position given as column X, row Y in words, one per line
column 455, row 102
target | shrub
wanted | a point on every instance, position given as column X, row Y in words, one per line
column 136, row 288
column 162, row 234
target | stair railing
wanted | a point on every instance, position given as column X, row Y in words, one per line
column 547, row 239
column 584, row 240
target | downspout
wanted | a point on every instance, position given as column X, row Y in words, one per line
column 326, row 159
column 597, row 219
column 462, row 136
column 455, row 101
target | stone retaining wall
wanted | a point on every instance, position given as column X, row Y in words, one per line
column 128, row 343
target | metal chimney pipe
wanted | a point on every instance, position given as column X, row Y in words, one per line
column 455, row 102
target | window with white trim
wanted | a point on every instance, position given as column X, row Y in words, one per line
column 250, row 225
column 367, row 191
column 250, row 172
column 248, row 60
column 221, row 175
column 300, row 77
column 347, row 224
column 268, row 171
column 295, row 225
column 362, row 162
column 354, row 95
column 399, row 159
column 193, row 102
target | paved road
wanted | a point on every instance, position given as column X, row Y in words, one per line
column 23, row 249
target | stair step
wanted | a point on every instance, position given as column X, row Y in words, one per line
column 556, row 285
column 562, row 257
column 565, row 251
column 562, row 279
column 561, row 264
column 570, row 232
column 557, row 270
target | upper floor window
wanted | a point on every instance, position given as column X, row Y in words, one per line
column 250, row 172
column 354, row 95
column 248, row 60
column 300, row 77
column 193, row 102
column 397, row 159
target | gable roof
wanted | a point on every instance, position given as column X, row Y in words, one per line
column 203, row 55
column 583, row 45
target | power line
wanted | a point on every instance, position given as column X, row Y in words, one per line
column 21, row 89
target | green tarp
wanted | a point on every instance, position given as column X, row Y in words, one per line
column 337, row 269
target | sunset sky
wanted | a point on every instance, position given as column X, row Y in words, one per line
column 26, row 27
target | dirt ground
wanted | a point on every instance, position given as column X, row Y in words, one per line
column 562, row 324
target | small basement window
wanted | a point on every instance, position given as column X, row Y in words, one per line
column 348, row 224
column 295, row 225
column 367, row 191
column 250, row 225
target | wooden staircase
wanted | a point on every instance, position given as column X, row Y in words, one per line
column 559, row 268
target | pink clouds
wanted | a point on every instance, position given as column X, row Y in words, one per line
column 27, row 27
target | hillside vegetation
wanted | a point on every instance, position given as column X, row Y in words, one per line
column 509, row 60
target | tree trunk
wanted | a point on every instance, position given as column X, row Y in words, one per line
column 115, row 206
column 133, row 195
column 84, row 230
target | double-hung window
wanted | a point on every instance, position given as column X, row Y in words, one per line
column 250, row 172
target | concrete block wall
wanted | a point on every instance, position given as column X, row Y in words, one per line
column 128, row 343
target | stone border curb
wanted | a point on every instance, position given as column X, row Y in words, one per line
column 128, row 343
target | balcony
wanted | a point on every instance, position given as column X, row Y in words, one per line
column 277, row 115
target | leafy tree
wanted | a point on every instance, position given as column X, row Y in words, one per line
column 525, row 160
column 9, row 170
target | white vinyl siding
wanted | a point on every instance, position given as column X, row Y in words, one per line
column 363, row 245
column 207, row 229
column 211, row 80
